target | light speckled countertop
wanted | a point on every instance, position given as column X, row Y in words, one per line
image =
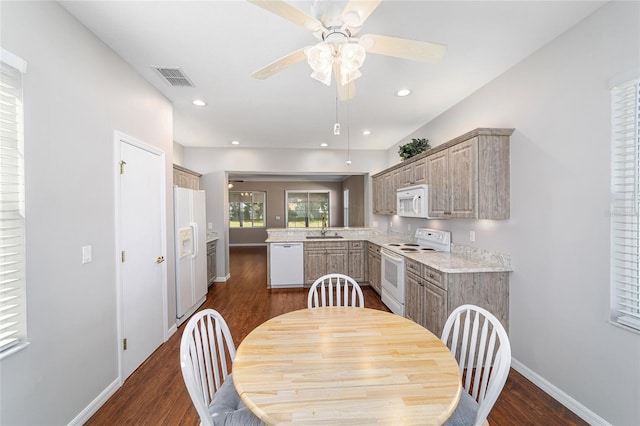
column 462, row 259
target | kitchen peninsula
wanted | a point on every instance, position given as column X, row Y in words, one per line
column 436, row 282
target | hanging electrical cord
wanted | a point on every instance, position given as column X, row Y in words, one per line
column 348, row 128
column 336, row 126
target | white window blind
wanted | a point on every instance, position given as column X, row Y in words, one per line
column 625, row 188
column 12, row 206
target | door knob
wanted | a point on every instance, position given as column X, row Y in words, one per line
column 160, row 259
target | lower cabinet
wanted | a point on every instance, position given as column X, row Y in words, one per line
column 373, row 267
column 356, row 259
column 432, row 295
column 325, row 257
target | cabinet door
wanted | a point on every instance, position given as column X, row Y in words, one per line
column 378, row 195
column 463, row 179
column 414, row 307
column 420, row 172
column 356, row 264
column 337, row 262
column 407, row 175
column 376, row 281
column 435, row 308
column 389, row 194
column 315, row 265
column 437, row 175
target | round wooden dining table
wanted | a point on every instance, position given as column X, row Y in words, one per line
column 346, row 366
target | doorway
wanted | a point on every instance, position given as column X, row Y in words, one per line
column 141, row 251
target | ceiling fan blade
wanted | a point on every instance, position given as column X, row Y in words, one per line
column 363, row 8
column 290, row 13
column 422, row 51
column 280, row 64
column 347, row 91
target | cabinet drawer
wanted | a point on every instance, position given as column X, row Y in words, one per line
column 374, row 248
column 413, row 266
column 434, row 277
column 356, row 245
column 326, row 245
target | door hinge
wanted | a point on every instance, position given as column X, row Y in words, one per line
column 124, row 344
column 122, row 255
column 122, row 164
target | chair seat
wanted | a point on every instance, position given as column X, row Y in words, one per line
column 227, row 409
column 465, row 412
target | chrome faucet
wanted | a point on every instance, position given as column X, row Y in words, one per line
column 323, row 231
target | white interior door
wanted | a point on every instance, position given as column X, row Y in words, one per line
column 142, row 271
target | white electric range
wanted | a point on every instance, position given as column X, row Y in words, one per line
column 392, row 273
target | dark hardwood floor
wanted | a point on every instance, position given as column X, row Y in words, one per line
column 155, row 394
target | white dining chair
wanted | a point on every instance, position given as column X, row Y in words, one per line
column 206, row 353
column 335, row 290
column 481, row 347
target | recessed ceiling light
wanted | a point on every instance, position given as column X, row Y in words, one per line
column 199, row 102
column 403, row 92
column 235, row 143
column 366, row 132
column 323, row 144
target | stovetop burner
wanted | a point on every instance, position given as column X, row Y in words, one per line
column 427, row 240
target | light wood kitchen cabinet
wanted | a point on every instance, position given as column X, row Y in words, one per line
column 468, row 177
column 325, row 257
column 414, row 173
column 357, row 260
column 384, row 192
column 185, row 178
column 453, row 175
column 432, row 295
column 374, row 266
column 414, row 307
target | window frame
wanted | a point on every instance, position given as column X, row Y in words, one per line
column 308, row 192
column 625, row 205
column 13, row 300
column 264, row 209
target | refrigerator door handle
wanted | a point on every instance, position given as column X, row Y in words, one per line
column 194, row 226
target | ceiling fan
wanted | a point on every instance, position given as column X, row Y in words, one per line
column 339, row 51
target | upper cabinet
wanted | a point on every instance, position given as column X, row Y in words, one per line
column 468, row 177
column 185, row 178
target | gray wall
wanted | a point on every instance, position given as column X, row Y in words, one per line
column 558, row 234
column 76, row 92
column 358, row 210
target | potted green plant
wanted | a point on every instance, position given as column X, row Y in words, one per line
column 415, row 147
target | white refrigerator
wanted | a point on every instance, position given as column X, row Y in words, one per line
column 190, row 251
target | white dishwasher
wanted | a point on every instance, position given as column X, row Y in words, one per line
column 286, row 265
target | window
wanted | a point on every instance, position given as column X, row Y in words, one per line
column 13, row 327
column 625, row 191
column 305, row 209
column 247, row 209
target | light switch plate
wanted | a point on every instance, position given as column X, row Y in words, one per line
column 86, row 254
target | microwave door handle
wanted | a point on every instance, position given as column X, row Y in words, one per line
column 415, row 203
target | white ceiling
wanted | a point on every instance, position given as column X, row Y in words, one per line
column 219, row 44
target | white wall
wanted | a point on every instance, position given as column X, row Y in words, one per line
column 215, row 163
column 558, row 235
column 77, row 92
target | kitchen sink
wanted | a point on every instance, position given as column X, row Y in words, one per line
column 323, row 237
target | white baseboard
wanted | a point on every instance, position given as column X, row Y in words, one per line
column 91, row 409
column 171, row 331
column 580, row 410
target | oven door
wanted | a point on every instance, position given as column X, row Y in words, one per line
column 392, row 277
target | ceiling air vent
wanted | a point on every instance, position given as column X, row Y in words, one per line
column 174, row 77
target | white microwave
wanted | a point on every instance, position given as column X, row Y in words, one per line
column 413, row 201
